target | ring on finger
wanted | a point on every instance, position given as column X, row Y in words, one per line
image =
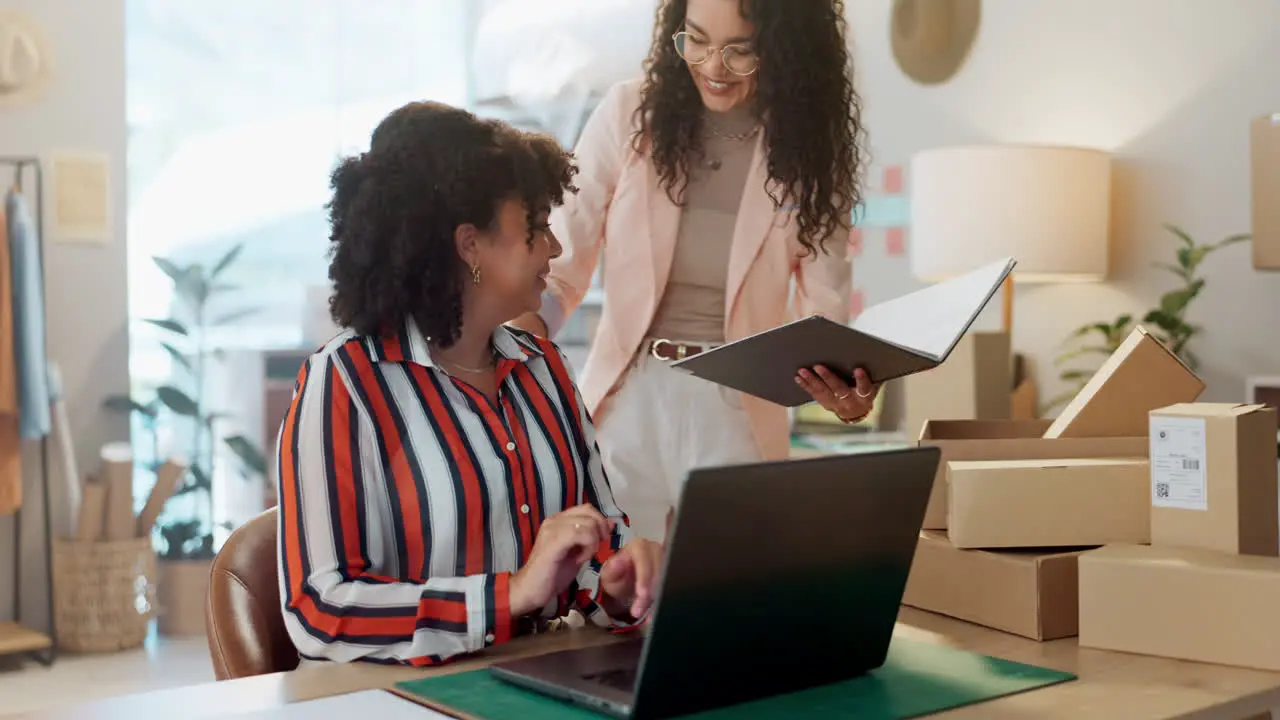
column 844, row 396
column 861, row 395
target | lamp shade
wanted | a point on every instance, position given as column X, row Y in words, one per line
column 1047, row 207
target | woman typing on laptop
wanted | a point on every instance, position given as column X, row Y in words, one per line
column 440, row 486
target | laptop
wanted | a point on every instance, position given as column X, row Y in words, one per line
column 779, row 576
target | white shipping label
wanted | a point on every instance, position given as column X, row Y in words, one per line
column 1177, row 463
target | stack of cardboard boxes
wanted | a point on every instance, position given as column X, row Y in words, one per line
column 1207, row 587
column 1018, row 504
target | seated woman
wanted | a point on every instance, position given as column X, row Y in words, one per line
column 440, row 486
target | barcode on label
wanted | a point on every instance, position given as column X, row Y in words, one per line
column 1162, row 490
column 1190, row 464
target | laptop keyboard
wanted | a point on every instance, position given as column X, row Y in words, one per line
column 619, row 678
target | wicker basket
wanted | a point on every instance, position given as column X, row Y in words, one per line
column 103, row 593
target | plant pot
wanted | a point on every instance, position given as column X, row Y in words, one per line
column 180, row 596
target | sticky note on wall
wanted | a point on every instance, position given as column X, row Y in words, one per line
column 884, row 211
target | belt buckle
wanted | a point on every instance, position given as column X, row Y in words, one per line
column 682, row 350
column 654, row 348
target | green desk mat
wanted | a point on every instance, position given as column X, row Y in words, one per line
column 918, row 678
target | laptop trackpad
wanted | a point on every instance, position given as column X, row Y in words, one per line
column 615, row 666
column 617, row 678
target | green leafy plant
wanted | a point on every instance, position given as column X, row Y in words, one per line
column 188, row 329
column 1167, row 321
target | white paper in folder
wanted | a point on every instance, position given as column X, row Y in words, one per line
column 933, row 319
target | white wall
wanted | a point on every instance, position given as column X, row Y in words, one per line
column 1170, row 88
column 85, row 285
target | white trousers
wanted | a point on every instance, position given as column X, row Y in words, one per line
column 659, row 425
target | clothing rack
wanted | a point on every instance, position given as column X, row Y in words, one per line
column 16, row 638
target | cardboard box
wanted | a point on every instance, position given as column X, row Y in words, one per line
column 1183, row 603
column 1008, row 440
column 1140, row 376
column 975, row 383
column 1213, row 477
column 1070, row 502
column 1025, row 592
column 1264, row 165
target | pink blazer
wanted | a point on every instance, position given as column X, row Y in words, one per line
column 623, row 211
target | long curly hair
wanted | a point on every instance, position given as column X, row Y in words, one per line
column 430, row 168
column 810, row 112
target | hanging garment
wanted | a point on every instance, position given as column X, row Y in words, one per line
column 28, row 318
column 8, row 354
column 10, row 443
column 10, row 465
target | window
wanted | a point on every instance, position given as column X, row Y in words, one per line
column 239, row 109
column 237, row 112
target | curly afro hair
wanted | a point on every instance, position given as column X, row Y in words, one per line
column 805, row 97
column 430, row 168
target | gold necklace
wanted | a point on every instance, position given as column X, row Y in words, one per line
column 714, row 164
column 493, row 353
column 745, row 135
column 472, row 370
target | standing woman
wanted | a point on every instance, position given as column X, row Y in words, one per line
column 719, row 188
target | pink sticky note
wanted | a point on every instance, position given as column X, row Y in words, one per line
column 895, row 241
column 855, row 303
column 893, row 180
column 855, row 242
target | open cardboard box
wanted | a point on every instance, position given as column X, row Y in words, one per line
column 1140, row 376
column 1009, row 440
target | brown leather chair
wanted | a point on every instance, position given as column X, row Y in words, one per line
column 242, row 611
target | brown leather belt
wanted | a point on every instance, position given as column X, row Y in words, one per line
column 667, row 350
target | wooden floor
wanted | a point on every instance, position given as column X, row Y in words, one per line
column 163, row 662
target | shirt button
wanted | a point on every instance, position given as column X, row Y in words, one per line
column 488, row 638
column 511, row 446
column 524, row 509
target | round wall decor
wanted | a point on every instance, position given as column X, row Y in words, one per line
column 931, row 38
column 26, row 60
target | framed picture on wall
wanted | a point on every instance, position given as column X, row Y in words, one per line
column 1263, row 390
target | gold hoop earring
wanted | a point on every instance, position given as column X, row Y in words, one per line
column 475, row 274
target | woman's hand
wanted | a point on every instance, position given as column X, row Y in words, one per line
column 628, row 579
column 850, row 404
column 565, row 542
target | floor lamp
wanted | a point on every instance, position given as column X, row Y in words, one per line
column 1048, row 207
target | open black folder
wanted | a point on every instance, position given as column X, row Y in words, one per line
column 899, row 337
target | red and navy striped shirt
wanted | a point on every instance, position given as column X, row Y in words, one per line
column 407, row 498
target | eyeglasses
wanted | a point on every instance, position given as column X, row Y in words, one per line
column 737, row 59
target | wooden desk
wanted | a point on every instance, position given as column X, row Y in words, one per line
column 1111, row 685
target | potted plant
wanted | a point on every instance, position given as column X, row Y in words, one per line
column 1168, row 320
column 185, row 536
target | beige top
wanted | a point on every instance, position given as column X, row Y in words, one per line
column 692, row 307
